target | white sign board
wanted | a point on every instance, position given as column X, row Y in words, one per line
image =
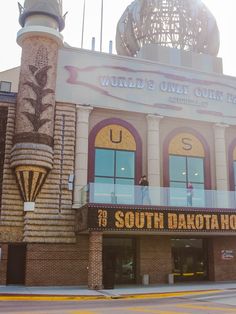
column 131, row 84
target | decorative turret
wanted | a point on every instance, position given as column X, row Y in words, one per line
column 40, row 38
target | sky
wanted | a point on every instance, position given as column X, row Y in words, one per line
column 10, row 52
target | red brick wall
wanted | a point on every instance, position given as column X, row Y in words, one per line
column 3, row 264
column 57, row 264
column 224, row 270
column 154, row 258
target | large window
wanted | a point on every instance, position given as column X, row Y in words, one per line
column 115, row 153
column 114, row 166
column 114, row 170
column 186, row 177
column 185, row 170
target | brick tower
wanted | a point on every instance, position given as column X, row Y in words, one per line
column 40, row 38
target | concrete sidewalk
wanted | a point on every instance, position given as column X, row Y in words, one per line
column 118, row 291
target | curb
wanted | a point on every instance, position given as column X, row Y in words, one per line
column 46, row 298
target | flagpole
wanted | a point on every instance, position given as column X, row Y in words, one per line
column 101, row 31
column 83, row 21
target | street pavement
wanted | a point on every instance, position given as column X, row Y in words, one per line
column 184, row 303
column 118, row 291
column 201, row 298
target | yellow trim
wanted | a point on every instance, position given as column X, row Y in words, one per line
column 114, row 136
column 31, row 168
column 188, row 274
column 186, row 144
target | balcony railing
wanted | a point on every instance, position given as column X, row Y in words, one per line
column 156, row 196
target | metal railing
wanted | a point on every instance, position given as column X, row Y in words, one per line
column 156, row 196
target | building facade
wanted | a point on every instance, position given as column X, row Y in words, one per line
column 75, row 139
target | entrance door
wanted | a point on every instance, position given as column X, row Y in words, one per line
column 119, row 259
column 189, row 258
column 16, row 264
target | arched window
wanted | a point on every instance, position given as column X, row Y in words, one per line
column 115, row 148
column 186, row 155
column 232, row 166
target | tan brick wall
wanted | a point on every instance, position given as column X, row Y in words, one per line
column 154, row 258
column 223, row 270
column 11, row 219
column 53, row 220
column 57, row 264
column 3, row 264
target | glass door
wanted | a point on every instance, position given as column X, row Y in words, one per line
column 119, row 259
column 189, row 259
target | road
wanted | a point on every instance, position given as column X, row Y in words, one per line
column 222, row 302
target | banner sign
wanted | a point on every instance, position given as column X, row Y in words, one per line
column 135, row 85
column 117, row 219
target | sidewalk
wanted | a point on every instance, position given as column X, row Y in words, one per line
column 117, row 292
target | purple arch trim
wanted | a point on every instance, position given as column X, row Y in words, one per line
column 91, row 150
column 207, row 169
column 231, row 165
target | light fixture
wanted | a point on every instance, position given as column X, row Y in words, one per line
column 183, row 173
column 122, row 169
column 196, row 173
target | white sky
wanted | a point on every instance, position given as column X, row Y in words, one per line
column 223, row 10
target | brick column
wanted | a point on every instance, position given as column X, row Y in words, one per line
column 153, row 144
column 81, row 150
column 95, row 261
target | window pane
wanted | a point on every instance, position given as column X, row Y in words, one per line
column 195, row 169
column 199, row 195
column 177, row 194
column 125, row 181
column 124, row 164
column 125, row 191
column 104, row 162
column 177, row 168
column 181, row 185
column 103, row 190
column 104, row 180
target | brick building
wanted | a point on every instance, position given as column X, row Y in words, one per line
column 76, row 137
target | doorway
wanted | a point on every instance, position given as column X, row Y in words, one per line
column 16, row 264
column 189, row 259
column 119, row 255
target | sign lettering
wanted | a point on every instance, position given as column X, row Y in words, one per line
column 161, row 220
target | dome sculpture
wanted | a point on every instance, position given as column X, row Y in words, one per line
column 181, row 24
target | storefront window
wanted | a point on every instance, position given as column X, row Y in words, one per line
column 119, row 256
column 189, row 259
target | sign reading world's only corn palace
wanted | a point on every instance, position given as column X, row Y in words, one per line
column 119, row 218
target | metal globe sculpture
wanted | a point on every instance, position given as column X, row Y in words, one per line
column 181, row 24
